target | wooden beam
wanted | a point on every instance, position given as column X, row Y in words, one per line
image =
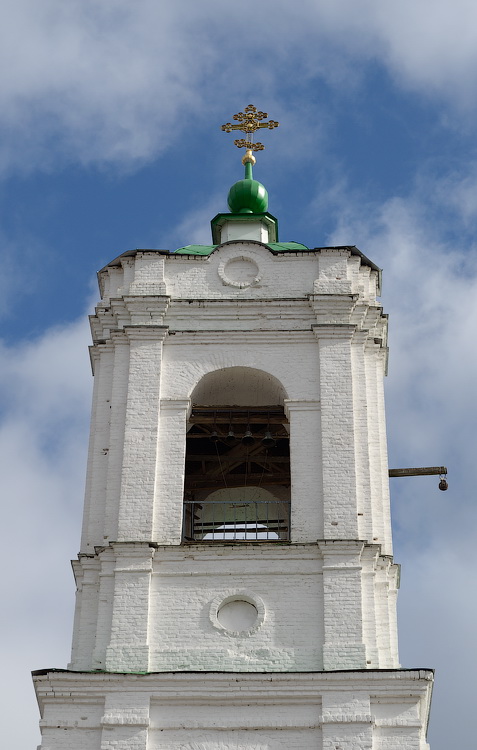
column 227, row 458
column 234, row 481
column 235, row 419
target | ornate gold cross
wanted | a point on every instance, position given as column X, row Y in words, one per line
column 248, row 122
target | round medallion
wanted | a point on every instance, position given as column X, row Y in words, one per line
column 237, row 615
column 241, row 271
column 240, row 613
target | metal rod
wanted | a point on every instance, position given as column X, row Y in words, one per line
column 421, row 472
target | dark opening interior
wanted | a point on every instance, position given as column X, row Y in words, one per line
column 237, row 475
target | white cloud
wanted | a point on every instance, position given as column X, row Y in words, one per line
column 115, row 82
column 107, row 80
column 44, row 407
column 437, row 629
column 430, row 291
column 428, row 46
column 194, row 229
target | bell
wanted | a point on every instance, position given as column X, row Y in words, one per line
column 214, row 436
column 248, row 438
column 230, row 439
column 268, row 440
column 443, row 484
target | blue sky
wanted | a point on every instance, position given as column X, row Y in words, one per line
column 110, row 139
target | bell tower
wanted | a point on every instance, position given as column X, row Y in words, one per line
column 235, row 584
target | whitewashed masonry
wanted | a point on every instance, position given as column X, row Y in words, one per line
column 312, row 659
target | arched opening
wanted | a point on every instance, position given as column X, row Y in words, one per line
column 237, row 474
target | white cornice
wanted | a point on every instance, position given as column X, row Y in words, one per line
column 229, row 688
column 270, row 336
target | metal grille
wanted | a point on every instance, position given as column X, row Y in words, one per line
column 250, row 520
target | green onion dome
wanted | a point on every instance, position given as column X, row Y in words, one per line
column 248, row 196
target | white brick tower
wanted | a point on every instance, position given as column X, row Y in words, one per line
column 236, row 586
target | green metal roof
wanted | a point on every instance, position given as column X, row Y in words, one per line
column 276, row 247
column 195, row 250
column 287, row 247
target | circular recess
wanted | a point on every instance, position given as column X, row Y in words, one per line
column 237, row 615
column 240, row 272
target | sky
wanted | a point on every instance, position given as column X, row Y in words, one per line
column 110, row 140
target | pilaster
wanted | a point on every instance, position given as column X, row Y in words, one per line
column 343, row 646
column 392, row 609
column 385, row 586
column 107, row 561
column 87, row 581
column 381, row 359
column 305, row 467
column 169, row 490
column 125, row 721
column 361, row 431
column 380, row 536
column 333, row 272
column 141, row 432
column 128, row 650
column 340, row 511
column 119, row 394
column 148, row 275
column 369, row 561
column 93, row 518
column 347, row 720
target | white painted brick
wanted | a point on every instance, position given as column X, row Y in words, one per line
column 312, row 344
column 214, row 711
column 326, row 600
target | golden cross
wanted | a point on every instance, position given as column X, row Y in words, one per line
column 248, row 122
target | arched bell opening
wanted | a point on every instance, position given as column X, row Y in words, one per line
column 237, row 474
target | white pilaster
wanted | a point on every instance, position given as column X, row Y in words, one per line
column 105, row 607
column 369, row 561
column 148, row 275
column 332, row 272
column 87, row 581
column 170, row 471
column 343, row 646
column 347, row 721
column 387, row 544
column 362, row 442
column 136, row 502
column 374, row 443
column 340, row 511
column 118, row 404
column 128, row 650
column 93, row 519
column 305, row 467
column 125, row 721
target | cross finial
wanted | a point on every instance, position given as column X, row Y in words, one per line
column 249, row 121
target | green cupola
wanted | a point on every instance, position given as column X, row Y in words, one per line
column 248, row 196
column 248, row 218
column 247, row 199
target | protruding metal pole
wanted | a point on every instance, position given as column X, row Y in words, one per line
column 420, row 472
